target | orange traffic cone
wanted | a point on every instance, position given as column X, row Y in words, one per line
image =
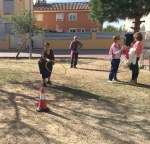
column 42, row 107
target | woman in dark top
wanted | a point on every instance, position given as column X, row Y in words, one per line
column 46, row 56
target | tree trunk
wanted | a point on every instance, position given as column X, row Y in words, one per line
column 21, row 48
column 137, row 24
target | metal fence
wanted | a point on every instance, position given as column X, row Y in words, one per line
column 61, row 36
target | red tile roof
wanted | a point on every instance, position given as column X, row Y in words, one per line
column 61, row 6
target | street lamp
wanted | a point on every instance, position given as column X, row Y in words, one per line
column 30, row 34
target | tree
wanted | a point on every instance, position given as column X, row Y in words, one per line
column 110, row 28
column 113, row 10
column 20, row 23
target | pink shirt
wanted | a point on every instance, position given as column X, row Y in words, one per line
column 115, row 51
column 138, row 47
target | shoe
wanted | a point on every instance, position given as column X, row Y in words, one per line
column 135, row 81
column 75, row 67
column 132, row 82
column 44, row 84
column 110, row 81
column 117, row 80
column 71, row 67
column 49, row 83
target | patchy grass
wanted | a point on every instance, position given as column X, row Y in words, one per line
column 85, row 109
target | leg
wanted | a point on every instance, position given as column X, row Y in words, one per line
column 76, row 59
column 111, row 73
column 135, row 70
column 49, row 75
column 116, row 66
column 72, row 61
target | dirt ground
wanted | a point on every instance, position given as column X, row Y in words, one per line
column 84, row 107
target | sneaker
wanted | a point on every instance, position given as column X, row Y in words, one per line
column 132, row 82
column 49, row 83
column 117, row 80
column 75, row 67
column 110, row 81
column 44, row 84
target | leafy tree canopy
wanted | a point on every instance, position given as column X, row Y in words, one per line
column 113, row 10
column 111, row 28
column 20, row 23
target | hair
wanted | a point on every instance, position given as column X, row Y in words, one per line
column 116, row 37
column 47, row 44
column 75, row 37
column 138, row 36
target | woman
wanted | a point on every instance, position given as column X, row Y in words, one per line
column 138, row 51
column 46, row 56
column 115, row 52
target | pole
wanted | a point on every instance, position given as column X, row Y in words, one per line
column 30, row 47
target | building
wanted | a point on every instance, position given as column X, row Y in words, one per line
column 144, row 28
column 65, row 17
column 6, row 8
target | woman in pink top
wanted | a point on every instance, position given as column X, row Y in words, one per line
column 115, row 53
column 138, row 46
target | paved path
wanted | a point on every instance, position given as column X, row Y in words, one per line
column 100, row 54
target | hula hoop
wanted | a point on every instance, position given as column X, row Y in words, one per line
column 55, row 61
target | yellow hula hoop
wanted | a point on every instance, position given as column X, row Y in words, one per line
column 56, row 62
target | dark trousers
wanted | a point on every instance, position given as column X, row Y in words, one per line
column 114, row 68
column 74, row 59
column 135, row 70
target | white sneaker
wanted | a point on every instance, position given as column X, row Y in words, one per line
column 110, row 81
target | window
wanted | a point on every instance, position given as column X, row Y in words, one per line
column 94, row 30
column 59, row 17
column 82, row 30
column 72, row 30
column 72, row 16
column 39, row 17
column 8, row 6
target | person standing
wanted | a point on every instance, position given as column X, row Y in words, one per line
column 115, row 53
column 75, row 45
column 46, row 56
column 138, row 51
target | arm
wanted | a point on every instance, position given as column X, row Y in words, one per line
column 71, row 46
column 43, row 56
column 119, row 51
column 137, row 47
column 80, row 44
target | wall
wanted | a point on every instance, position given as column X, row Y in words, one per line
column 49, row 19
column 90, row 41
column 4, row 43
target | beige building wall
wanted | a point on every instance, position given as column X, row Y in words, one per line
column 18, row 4
column 64, row 44
column 4, row 44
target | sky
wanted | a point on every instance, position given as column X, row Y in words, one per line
column 105, row 23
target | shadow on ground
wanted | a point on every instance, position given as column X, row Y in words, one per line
column 108, row 118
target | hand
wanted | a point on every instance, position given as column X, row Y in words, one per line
column 132, row 44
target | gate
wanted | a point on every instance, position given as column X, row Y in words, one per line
column 12, row 42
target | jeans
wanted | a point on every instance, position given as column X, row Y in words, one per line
column 74, row 59
column 135, row 70
column 114, row 68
